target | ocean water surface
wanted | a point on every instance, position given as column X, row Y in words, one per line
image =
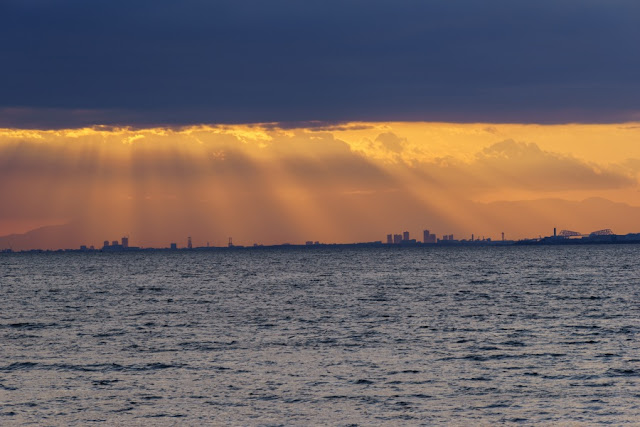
column 299, row 336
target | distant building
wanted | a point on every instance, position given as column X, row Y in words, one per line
column 83, row 247
column 189, row 245
column 428, row 237
column 389, row 239
column 309, row 242
column 397, row 239
column 114, row 246
column 405, row 235
column 173, row 246
column 125, row 242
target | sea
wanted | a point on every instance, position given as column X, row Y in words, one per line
column 322, row 336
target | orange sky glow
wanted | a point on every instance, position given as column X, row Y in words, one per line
column 347, row 182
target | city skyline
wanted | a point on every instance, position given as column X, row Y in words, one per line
column 402, row 239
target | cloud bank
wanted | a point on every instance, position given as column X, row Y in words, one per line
column 73, row 63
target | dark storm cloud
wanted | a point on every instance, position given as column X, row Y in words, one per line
column 69, row 63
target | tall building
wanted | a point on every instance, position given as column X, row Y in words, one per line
column 405, row 235
column 428, row 237
column 105, row 244
column 125, row 242
column 389, row 239
column 397, row 239
column 189, row 245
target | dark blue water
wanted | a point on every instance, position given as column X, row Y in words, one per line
column 322, row 336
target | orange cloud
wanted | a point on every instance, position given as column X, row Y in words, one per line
column 270, row 183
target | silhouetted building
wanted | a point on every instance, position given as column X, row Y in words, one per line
column 83, row 247
column 405, row 235
column 189, row 245
column 309, row 242
column 230, row 242
column 397, row 239
column 174, row 246
column 428, row 237
column 389, row 239
column 114, row 246
column 125, row 242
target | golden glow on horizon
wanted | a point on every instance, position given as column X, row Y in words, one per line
column 345, row 182
column 423, row 141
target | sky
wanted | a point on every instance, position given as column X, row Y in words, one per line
column 155, row 62
column 333, row 121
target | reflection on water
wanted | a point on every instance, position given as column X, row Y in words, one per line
column 299, row 336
